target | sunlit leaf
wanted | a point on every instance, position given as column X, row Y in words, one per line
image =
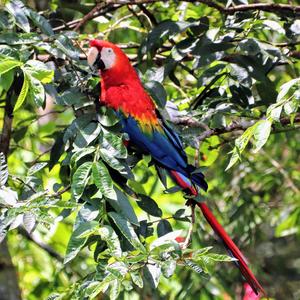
column 103, row 180
column 7, row 65
column 16, row 8
column 29, row 221
column 80, row 179
column 76, row 242
column 41, row 22
column 261, row 133
column 127, row 230
column 23, row 92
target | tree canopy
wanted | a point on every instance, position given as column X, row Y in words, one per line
column 82, row 216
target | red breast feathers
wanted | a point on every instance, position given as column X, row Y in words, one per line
column 122, row 89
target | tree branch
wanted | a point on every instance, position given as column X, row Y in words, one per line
column 284, row 173
column 243, row 125
column 8, row 274
column 35, row 239
column 268, row 7
column 90, row 15
column 105, row 6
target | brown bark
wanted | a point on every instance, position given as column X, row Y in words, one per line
column 9, row 289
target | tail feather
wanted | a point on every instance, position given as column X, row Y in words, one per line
column 188, row 186
column 198, row 178
column 233, row 249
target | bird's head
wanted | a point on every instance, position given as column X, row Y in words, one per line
column 107, row 57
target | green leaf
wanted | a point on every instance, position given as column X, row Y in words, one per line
column 87, row 135
column 17, row 10
column 39, row 70
column 77, row 125
column 23, row 93
column 29, row 221
column 127, row 230
column 12, row 38
column 168, row 268
column 289, row 225
column 291, row 106
column 9, row 64
column 284, row 89
column 115, row 289
column 118, row 269
column 88, row 212
column 274, row 26
column 137, row 278
column 220, row 257
column 107, row 117
column 57, row 149
column 115, row 163
column 274, row 111
column 8, row 197
column 152, row 274
column 70, row 97
column 113, row 144
column 78, row 239
column 81, row 153
column 6, row 80
column 103, row 180
column 210, row 73
column 80, row 179
column 149, row 206
column 3, row 170
column 41, row 23
column 161, row 32
column 157, row 92
column 36, row 91
column 110, row 237
column 95, row 287
column 261, row 133
column 240, row 145
column 163, row 227
column 122, row 205
column 250, row 46
column 180, row 215
column 63, row 43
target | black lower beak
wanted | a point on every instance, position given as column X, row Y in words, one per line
column 99, row 64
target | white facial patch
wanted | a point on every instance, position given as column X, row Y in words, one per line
column 108, row 57
column 92, row 55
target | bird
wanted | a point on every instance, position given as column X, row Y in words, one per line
column 123, row 91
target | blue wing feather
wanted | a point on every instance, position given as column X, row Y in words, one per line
column 156, row 143
column 165, row 147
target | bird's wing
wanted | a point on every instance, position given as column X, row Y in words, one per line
column 158, row 141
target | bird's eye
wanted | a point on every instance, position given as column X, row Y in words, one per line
column 109, row 50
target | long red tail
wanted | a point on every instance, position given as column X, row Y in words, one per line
column 187, row 185
column 231, row 246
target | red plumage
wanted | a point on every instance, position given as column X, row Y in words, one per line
column 121, row 89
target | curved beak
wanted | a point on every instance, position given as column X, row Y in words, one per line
column 94, row 59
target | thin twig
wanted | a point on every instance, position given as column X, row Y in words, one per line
column 35, row 239
column 108, row 5
column 190, row 231
column 90, row 15
column 242, row 125
column 268, row 7
column 59, row 193
column 281, row 170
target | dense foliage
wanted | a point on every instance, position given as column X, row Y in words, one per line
column 83, row 215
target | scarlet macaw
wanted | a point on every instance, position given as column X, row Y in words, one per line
column 122, row 90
